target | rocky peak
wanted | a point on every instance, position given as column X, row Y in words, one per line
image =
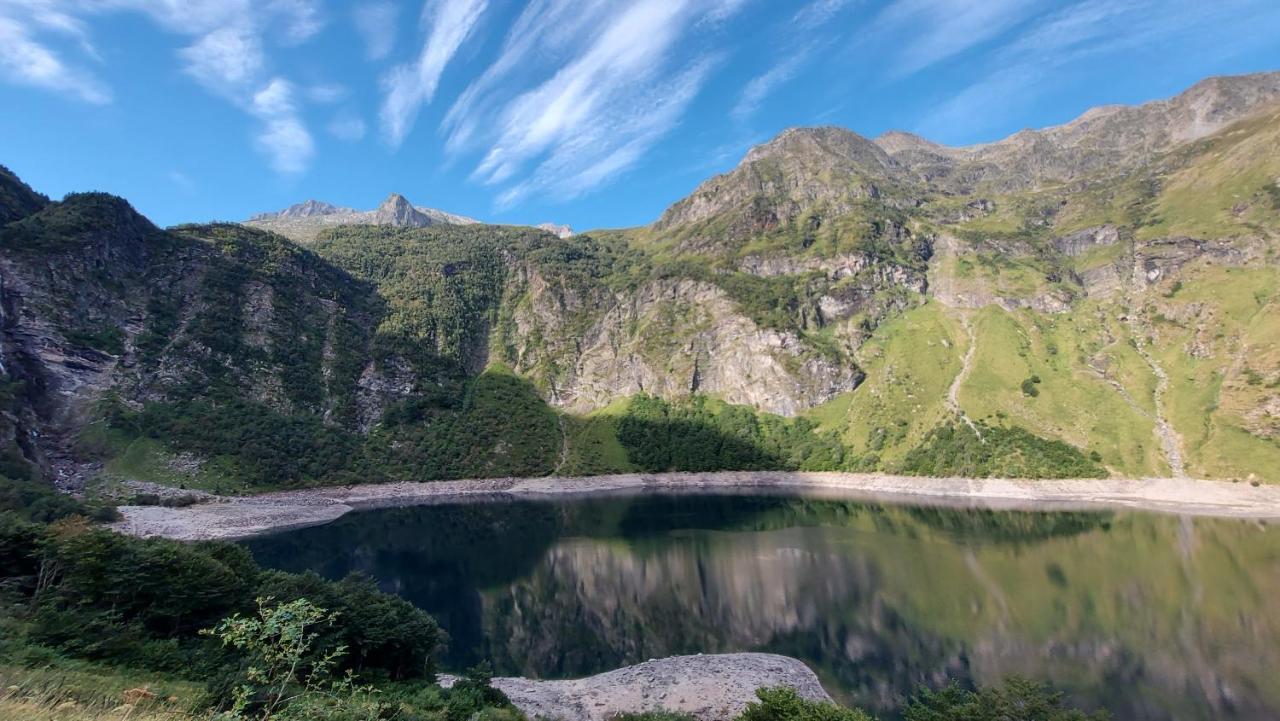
column 780, row 179
column 305, row 209
column 898, row 141
column 825, row 144
column 308, row 208
column 398, row 211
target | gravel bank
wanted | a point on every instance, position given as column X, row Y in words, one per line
column 242, row 517
column 711, row 687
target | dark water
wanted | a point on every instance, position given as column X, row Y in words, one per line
column 1152, row 617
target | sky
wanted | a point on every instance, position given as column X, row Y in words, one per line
column 594, row 113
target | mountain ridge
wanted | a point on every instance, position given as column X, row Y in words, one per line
column 305, row 220
column 824, row 306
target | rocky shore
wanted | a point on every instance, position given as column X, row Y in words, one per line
column 710, row 687
column 223, row 517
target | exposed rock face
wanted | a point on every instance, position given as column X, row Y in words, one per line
column 708, row 687
column 560, row 231
column 305, row 209
column 303, row 221
column 397, row 211
column 1163, row 257
column 669, row 338
column 1081, row 241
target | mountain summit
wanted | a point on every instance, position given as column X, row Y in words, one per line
column 303, row 221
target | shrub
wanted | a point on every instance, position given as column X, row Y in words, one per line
column 1018, row 699
column 784, row 704
column 288, row 676
column 381, row 633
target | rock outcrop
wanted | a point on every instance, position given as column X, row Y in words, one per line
column 707, row 687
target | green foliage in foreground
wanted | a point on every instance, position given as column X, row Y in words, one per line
column 987, row 451
column 784, row 704
column 72, row 591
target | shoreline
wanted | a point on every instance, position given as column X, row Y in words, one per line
column 240, row 517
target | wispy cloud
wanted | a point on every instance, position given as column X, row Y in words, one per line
column 347, row 126
column 407, row 87
column 546, row 33
column 181, row 181
column 226, row 55
column 818, row 12
column 1057, row 41
column 802, row 39
column 761, row 86
column 376, row 23
column 935, row 30
column 28, row 62
column 615, row 88
column 283, row 139
column 326, row 93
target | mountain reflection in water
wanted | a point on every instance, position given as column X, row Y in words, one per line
column 1152, row 617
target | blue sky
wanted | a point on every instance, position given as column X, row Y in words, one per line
column 595, row 113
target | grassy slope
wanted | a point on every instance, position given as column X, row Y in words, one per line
column 1228, row 316
column 910, row 362
column 1074, row 404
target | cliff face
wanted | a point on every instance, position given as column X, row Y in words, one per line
column 669, row 338
column 98, row 303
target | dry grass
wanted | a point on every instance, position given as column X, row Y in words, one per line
column 90, row 695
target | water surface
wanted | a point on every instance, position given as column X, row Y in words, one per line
column 1153, row 617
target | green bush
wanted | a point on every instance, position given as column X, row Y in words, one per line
column 1017, row 700
column 702, row 434
column 784, row 704
column 955, row 448
column 40, row 502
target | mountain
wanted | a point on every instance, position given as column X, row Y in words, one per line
column 303, row 221
column 1095, row 298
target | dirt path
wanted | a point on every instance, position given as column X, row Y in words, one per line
column 564, row 446
column 1169, row 439
column 242, row 517
column 953, row 393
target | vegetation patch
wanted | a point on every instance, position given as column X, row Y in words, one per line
column 955, row 448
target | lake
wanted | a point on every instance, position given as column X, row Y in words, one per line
column 1152, row 617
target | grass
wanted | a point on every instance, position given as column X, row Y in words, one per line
column 910, row 362
column 146, row 459
column 1073, row 404
column 78, row 691
column 1230, row 319
column 593, row 442
column 1221, row 190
